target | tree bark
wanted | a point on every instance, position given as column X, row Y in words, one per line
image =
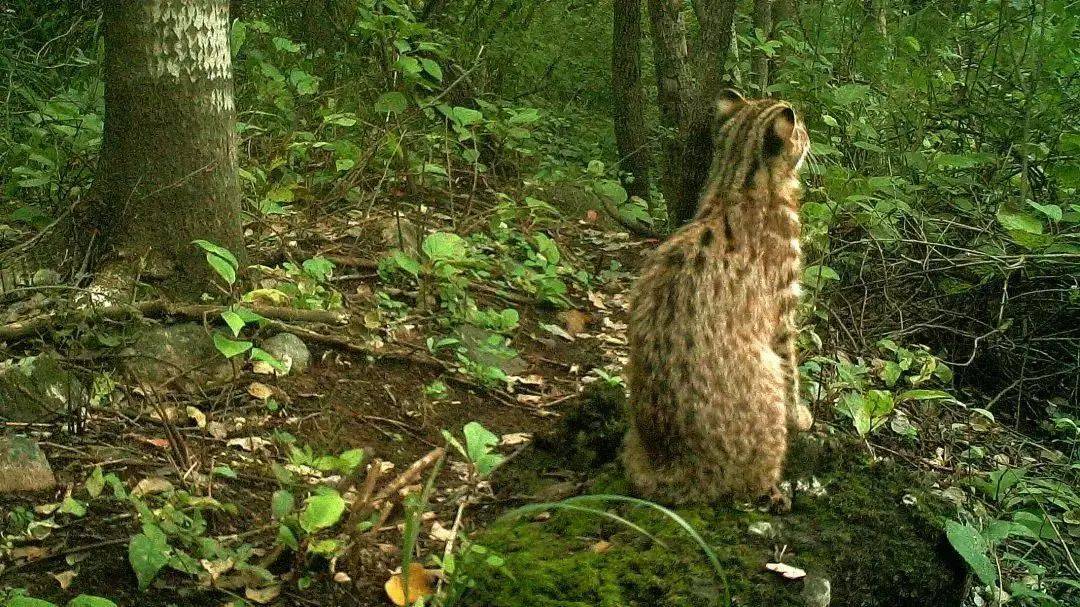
column 168, row 169
column 628, row 99
column 759, row 61
column 686, row 94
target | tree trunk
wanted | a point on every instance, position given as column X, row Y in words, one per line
column 694, row 154
column 760, row 61
column 168, row 164
column 628, row 99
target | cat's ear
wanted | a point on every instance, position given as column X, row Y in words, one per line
column 728, row 102
column 784, row 124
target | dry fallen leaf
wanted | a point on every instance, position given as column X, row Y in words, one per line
column 419, row 586
column 151, row 485
column 341, row 577
column 197, row 416
column 65, row 578
column 514, row 439
column 263, row 595
column 601, row 547
column 597, row 300
column 789, row 572
column 30, row 553
column 260, row 390
column 440, row 533
column 576, row 321
column 249, row 443
column 217, row 430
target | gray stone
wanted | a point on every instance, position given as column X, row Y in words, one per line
column 38, row 389
column 817, row 592
column 399, row 233
column 181, row 357
column 289, row 350
column 45, row 277
column 23, row 467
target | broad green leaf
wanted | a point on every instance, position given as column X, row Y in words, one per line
column 466, row 116
column 612, row 190
column 25, row 601
column 85, row 600
column 235, row 321
column 228, row 347
column 1052, row 211
column 925, row 395
column 432, row 68
column 1019, row 221
column 287, row 538
column 282, row 503
column 405, row 262
column 147, row 556
column 393, row 102
column 95, row 483
column 321, row 511
column 850, row 93
column 970, row 545
column 73, row 507
column 226, row 271
column 286, row 45
column 478, row 443
column 444, row 246
column 305, row 83
column 237, row 36
column 263, row 356
column 319, row 268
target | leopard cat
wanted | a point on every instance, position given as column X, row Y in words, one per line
column 713, row 372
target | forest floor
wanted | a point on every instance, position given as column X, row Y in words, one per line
column 867, row 517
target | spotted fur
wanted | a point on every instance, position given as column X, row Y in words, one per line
column 712, row 374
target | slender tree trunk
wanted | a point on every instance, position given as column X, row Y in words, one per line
column 628, row 99
column 693, row 156
column 168, row 169
column 760, row 61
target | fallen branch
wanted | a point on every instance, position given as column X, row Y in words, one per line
column 160, row 309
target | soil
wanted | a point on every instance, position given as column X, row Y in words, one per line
column 873, row 532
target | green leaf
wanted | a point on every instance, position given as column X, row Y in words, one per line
column 228, row 347
column 319, row 268
column 225, row 271
column 612, row 190
column 147, row 556
column 547, row 247
column 235, row 321
column 971, row 546
column 405, row 262
column 925, row 395
column 95, row 483
column 850, row 93
column 282, row 503
column 351, row 459
column 829, row 120
column 1052, row 211
column 85, row 600
column 1019, row 221
column 73, row 507
column 25, row 601
column 466, row 116
column 815, row 276
column 432, row 68
column 287, row 538
column 305, row 83
column 286, row 45
column 444, row 246
column 237, row 36
column 263, row 356
column 393, row 102
column 321, row 511
column 224, row 471
column 478, row 443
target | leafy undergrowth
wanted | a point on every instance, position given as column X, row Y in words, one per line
column 871, row 529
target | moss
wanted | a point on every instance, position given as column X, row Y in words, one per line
column 859, row 535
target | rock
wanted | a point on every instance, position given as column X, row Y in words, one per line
column 23, row 467
column 45, row 276
column 817, row 592
column 399, row 233
column 38, row 389
column 181, row 357
column 290, row 351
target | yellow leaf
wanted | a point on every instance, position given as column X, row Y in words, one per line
column 419, row 586
column 260, row 391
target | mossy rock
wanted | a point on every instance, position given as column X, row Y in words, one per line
column 875, row 550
